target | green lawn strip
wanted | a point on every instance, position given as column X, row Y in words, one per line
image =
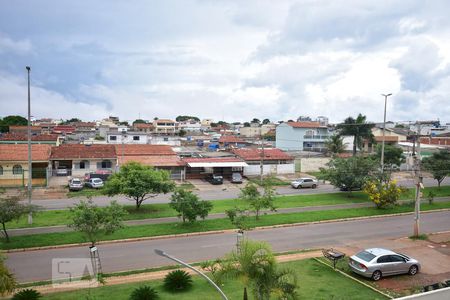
column 150, row 211
column 86, row 192
column 60, row 238
column 273, row 181
column 316, row 281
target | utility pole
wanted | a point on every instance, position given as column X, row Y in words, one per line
column 30, row 183
column 419, row 183
column 261, row 161
column 384, row 131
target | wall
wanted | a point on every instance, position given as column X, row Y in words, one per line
column 288, row 138
column 77, row 172
column 253, row 170
column 312, row 164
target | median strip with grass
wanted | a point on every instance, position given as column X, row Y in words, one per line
column 316, row 281
column 139, row 231
column 153, row 211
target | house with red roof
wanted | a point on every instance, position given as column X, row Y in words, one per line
column 301, row 136
column 79, row 159
column 274, row 161
column 231, row 141
column 14, row 164
column 159, row 156
column 201, row 167
column 20, row 138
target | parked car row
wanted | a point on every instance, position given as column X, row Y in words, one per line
column 76, row 184
column 218, row 179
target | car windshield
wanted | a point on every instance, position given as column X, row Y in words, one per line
column 97, row 180
column 366, row 256
column 76, row 181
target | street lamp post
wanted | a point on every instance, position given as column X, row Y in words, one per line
column 30, row 214
column 164, row 254
column 384, row 131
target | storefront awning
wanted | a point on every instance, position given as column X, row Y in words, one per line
column 218, row 164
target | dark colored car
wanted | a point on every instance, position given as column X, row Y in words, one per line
column 102, row 174
column 214, row 179
column 236, row 178
column 344, row 188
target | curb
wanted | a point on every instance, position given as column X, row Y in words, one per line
column 159, row 237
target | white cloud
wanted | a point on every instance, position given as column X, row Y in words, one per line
column 14, row 46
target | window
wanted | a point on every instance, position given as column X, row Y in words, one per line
column 113, row 138
column 17, row 169
column 106, row 164
column 84, row 164
column 1, row 170
column 397, row 258
column 136, row 138
column 383, row 259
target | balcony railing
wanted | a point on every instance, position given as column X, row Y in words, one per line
column 314, row 149
column 315, row 137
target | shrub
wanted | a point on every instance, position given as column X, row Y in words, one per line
column 144, row 293
column 383, row 194
column 177, row 281
column 27, row 294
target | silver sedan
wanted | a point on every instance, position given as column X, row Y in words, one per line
column 377, row 262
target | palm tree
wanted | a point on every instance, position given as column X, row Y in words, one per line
column 255, row 265
column 358, row 128
column 335, row 144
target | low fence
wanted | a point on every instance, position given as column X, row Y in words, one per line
column 10, row 178
column 313, row 164
column 253, row 170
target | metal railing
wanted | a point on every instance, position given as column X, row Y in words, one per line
column 315, row 137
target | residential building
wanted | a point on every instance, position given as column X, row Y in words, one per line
column 274, row 161
column 76, row 160
column 158, row 156
column 231, row 141
column 190, row 126
column 165, row 127
column 170, row 140
column 301, row 136
column 130, row 137
column 256, row 132
column 11, row 138
column 143, row 127
column 23, row 129
column 14, row 164
column 201, row 167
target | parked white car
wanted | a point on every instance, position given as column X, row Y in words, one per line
column 94, row 183
column 304, row 182
column 75, row 184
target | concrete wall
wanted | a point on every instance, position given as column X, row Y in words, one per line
column 312, row 164
column 253, row 170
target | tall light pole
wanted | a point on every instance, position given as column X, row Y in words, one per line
column 30, row 214
column 384, row 131
column 164, row 254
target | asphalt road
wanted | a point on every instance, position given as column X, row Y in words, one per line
column 215, row 193
column 36, row 265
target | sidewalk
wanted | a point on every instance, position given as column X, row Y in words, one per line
column 63, row 228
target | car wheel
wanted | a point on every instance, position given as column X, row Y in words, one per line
column 413, row 270
column 376, row 275
column 314, row 186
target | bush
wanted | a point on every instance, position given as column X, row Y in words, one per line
column 383, row 194
column 27, row 294
column 144, row 293
column 178, row 281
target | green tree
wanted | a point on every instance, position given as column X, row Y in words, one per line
column 11, row 121
column 139, row 121
column 246, row 124
column 335, row 144
column 95, row 222
column 255, row 120
column 11, row 209
column 383, row 194
column 255, row 266
column 266, row 121
column 7, row 280
column 438, row 164
column 189, row 206
column 358, row 128
column 255, row 200
column 185, row 118
column 393, row 156
column 350, row 173
column 124, row 123
column 182, row 132
column 139, row 182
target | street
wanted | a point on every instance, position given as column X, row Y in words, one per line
column 36, row 265
column 215, row 193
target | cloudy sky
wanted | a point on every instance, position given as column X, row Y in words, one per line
column 225, row 59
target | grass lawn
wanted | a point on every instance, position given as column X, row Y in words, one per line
column 85, row 192
column 150, row 211
column 316, row 281
column 27, row 241
column 274, row 181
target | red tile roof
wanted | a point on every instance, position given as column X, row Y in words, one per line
column 144, row 150
column 71, row 151
column 230, row 139
column 156, row 161
column 211, row 159
column 19, row 152
column 269, row 154
column 24, row 128
column 142, row 125
column 305, row 125
column 63, row 128
column 24, row 137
